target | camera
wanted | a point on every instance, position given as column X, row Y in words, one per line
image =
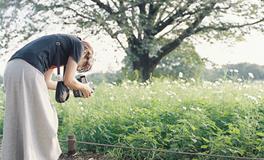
column 82, row 79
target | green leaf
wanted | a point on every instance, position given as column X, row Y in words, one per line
column 204, row 146
column 261, row 134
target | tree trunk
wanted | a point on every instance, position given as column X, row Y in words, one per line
column 145, row 66
column 145, row 73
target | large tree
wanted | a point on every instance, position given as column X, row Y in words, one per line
column 138, row 25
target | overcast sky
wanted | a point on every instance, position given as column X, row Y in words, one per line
column 251, row 50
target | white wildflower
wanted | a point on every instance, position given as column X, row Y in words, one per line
column 194, row 140
column 167, row 82
column 173, row 93
column 217, row 83
column 239, row 80
column 167, row 93
column 199, row 109
column 177, row 63
column 180, row 75
column 182, row 80
column 175, row 82
column 251, row 75
column 235, row 70
column 252, row 98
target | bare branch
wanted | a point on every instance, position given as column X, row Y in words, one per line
column 152, row 14
column 186, row 33
column 164, row 23
column 226, row 27
column 106, row 7
column 115, row 4
column 162, row 13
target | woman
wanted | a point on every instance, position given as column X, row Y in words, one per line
column 30, row 122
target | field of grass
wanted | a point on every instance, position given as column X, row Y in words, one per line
column 225, row 118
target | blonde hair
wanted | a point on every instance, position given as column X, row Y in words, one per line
column 88, row 49
column 87, row 54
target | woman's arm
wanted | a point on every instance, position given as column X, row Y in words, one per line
column 71, row 82
column 50, row 84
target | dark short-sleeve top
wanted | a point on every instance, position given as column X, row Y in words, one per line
column 47, row 51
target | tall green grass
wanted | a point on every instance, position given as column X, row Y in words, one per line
column 224, row 118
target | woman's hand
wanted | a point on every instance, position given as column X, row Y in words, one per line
column 86, row 91
column 72, row 83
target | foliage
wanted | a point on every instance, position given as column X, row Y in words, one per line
column 224, row 118
column 183, row 61
column 1, row 80
column 137, row 25
column 240, row 72
column 98, row 78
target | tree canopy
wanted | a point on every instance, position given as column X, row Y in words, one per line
column 184, row 62
column 137, row 25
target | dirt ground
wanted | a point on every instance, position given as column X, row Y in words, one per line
column 83, row 156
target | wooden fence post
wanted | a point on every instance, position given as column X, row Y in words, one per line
column 71, row 145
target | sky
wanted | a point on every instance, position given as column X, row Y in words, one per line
column 109, row 56
column 251, row 50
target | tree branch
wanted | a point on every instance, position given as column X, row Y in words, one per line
column 161, row 14
column 169, row 20
column 152, row 15
column 186, row 33
column 103, row 6
column 227, row 27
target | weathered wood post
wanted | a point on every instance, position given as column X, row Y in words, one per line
column 71, row 145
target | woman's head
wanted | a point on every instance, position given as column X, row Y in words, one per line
column 86, row 60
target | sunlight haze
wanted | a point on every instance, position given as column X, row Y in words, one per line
column 109, row 56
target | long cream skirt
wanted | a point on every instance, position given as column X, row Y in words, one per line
column 30, row 121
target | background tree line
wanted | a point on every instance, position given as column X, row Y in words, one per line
column 236, row 72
